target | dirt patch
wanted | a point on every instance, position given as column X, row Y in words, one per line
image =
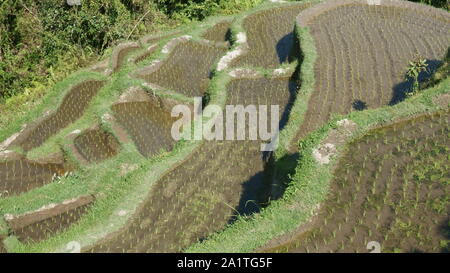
column 9, row 155
column 127, row 168
column 336, row 137
column 120, row 54
column 53, row 158
column 442, row 100
column 39, row 225
column 147, row 53
column 2, row 246
column 102, row 67
column 134, row 94
column 153, row 38
column 244, row 73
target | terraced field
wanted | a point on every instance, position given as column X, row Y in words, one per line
column 96, row 145
column 219, row 32
column 96, row 164
column 369, row 47
column 199, row 196
column 39, row 225
column 71, row 108
column 391, row 186
column 21, row 175
column 148, row 125
column 270, row 34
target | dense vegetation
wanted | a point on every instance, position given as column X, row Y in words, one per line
column 42, row 41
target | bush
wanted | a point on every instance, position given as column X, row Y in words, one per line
column 200, row 9
column 435, row 3
column 37, row 35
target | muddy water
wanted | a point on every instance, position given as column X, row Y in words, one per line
column 270, row 37
column 96, row 145
column 148, row 125
column 218, row 33
column 363, row 52
column 187, row 70
column 19, row 176
column 41, row 225
column 72, row 108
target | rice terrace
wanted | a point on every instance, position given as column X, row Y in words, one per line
column 361, row 162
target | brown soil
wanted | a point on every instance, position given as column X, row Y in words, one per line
column 203, row 194
column 362, row 55
column 390, row 187
column 101, row 67
column 53, row 158
column 2, row 246
column 442, row 100
column 155, row 38
column 39, row 225
column 187, row 69
column 71, row 109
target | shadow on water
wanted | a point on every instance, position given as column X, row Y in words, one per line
column 259, row 189
column 359, row 105
column 401, row 90
column 266, row 186
column 284, row 47
column 228, row 36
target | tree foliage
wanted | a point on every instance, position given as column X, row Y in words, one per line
column 38, row 37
